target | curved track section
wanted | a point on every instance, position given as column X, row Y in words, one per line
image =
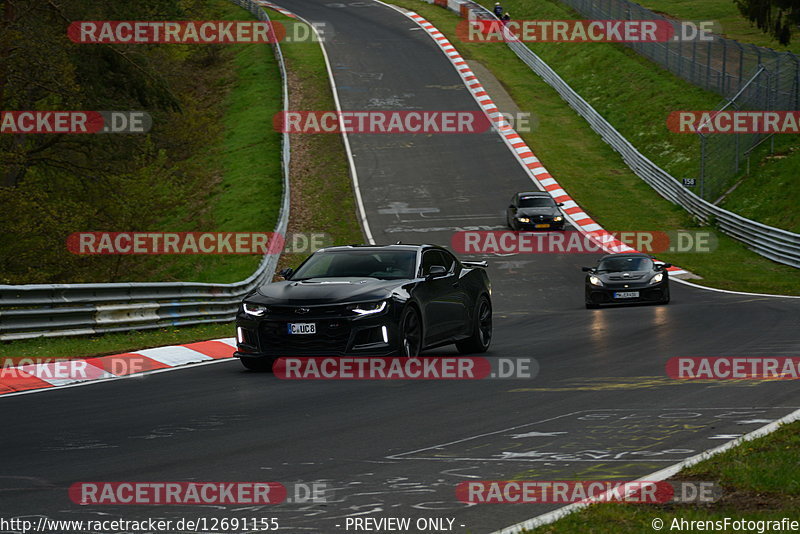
column 601, row 406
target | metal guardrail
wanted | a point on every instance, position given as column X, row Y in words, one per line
column 776, row 244
column 54, row 310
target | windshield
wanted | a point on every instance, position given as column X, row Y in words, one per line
column 631, row 263
column 381, row 264
column 536, row 202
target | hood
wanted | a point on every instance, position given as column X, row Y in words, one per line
column 526, row 212
column 624, row 276
column 324, row 291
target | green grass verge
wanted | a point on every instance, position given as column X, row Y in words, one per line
column 771, row 192
column 246, row 160
column 726, row 15
column 589, row 169
column 322, row 197
column 758, row 479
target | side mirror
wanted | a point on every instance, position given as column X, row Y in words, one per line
column 286, row 273
column 511, row 206
column 560, row 204
column 664, row 266
column 587, row 269
column 437, row 271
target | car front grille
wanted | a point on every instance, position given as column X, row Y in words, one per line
column 331, row 337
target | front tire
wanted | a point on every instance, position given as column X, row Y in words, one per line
column 257, row 364
column 481, row 336
column 410, row 333
column 666, row 299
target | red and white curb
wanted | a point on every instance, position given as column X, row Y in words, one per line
column 279, row 9
column 57, row 372
column 535, row 169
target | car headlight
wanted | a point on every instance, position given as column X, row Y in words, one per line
column 523, row 219
column 558, row 218
column 657, row 278
column 256, row 310
column 595, row 281
column 368, row 308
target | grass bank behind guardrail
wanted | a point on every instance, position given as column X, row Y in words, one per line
column 727, row 17
column 244, row 164
column 636, row 96
column 588, row 168
column 770, row 193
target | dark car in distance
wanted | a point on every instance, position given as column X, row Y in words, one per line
column 626, row 277
column 366, row 300
column 534, row 211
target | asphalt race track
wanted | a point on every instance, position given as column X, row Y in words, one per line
column 601, row 406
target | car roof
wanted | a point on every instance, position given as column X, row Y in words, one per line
column 534, row 194
column 396, row 246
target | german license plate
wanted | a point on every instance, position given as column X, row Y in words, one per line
column 542, row 226
column 301, row 328
column 626, row 294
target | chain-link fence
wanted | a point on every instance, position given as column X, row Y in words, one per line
column 749, row 77
column 725, row 156
column 719, row 65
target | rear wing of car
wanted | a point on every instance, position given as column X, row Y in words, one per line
column 474, row 264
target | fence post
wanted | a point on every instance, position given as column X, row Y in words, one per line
column 724, row 67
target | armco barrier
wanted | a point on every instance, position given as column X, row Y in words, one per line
column 774, row 243
column 52, row 310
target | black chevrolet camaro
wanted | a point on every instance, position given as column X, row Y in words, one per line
column 367, row 301
column 626, row 277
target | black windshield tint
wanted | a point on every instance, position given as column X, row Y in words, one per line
column 536, row 202
column 616, row 265
column 382, row 264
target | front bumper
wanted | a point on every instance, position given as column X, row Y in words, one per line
column 336, row 334
column 543, row 225
column 647, row 293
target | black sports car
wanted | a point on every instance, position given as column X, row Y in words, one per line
column 626, row 277
column 367, row 301
column 534, row 211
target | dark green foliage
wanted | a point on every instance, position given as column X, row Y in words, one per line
column 52, row 185
column 778, row 18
